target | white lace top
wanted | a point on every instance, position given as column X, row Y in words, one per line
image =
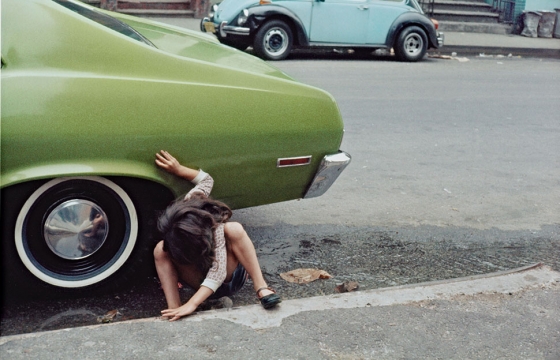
column 218, row 272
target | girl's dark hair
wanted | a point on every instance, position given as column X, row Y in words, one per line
column 188, row 230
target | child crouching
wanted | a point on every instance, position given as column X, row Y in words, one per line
column 201, row 248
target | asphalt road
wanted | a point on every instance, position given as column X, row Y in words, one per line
column 446, row 143
column 455, row 172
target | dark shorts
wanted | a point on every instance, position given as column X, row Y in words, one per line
column 234, row 285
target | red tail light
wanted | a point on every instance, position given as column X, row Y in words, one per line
column 436, row 23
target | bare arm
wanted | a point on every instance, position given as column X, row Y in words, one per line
column 168, row 163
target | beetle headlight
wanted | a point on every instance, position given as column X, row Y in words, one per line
column 242, row 18
column 213, row 10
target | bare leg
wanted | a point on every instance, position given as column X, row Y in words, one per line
column 243, row 249
column 168, row 276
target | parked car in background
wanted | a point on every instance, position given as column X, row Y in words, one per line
column 89, row 97
column 274, row 27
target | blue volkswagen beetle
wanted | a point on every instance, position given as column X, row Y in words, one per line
column 274, row 27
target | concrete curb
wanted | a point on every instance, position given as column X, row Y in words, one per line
column 254, row 316
column 500, row 282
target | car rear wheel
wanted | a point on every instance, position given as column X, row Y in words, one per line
column 273, row 40
column 411, row 44
column 76, row 232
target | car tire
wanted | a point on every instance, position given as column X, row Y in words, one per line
column 411, row 44
column 70, row 233
column 273, row 40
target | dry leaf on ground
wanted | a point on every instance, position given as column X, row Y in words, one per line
column 304, row 276
column 109, row 317
column 347, row 286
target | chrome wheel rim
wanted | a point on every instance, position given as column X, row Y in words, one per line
column 76, row 229
column 413, row 44
column 276, row 41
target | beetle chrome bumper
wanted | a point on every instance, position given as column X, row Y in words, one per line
column 206, row 28
column 234, row 30
column 206, row 25
column 330, row 168
column 440, row 39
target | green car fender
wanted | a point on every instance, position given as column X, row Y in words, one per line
column 84, row 109
column 133, row 96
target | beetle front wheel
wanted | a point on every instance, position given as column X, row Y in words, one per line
column 411, row 44
column 273, row 41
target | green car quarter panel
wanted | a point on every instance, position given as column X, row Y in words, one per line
column 89, row 97
column 80, row 99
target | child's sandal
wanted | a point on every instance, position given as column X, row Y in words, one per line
column 270, row 300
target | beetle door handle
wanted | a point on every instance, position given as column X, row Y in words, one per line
column 363, row 7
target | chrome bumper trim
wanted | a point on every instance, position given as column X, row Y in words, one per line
column 440, row 39
column 234, row 30
column 331, row 166
column 204, row 20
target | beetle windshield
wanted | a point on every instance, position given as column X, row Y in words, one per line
column 105, row 20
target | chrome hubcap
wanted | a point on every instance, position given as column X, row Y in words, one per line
column 276, row 41
column 76, row 229
column 413, row 44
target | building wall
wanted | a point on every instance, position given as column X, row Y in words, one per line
column 532, row 5
column 519, row 8
column 522, row 5
column 542, row 4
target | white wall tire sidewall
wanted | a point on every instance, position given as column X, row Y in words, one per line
column 132, row 240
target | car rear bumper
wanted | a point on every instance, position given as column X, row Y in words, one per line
column 331, row 166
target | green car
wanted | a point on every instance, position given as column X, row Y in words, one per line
column 89, row 97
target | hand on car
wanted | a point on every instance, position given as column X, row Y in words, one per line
column 168, row 163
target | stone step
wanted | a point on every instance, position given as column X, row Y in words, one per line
column 95, row 3
column 156, row 12
column 473, row 27
column 466, row 16
column 462, row 6
column 152, row 1
column 150, row 6
column 461, row 1
column 154, row 5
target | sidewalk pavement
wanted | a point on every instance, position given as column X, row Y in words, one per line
column 461, row 43
column 465, row 44
column 513, row 315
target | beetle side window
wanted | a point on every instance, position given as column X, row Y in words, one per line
column 414, row 4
